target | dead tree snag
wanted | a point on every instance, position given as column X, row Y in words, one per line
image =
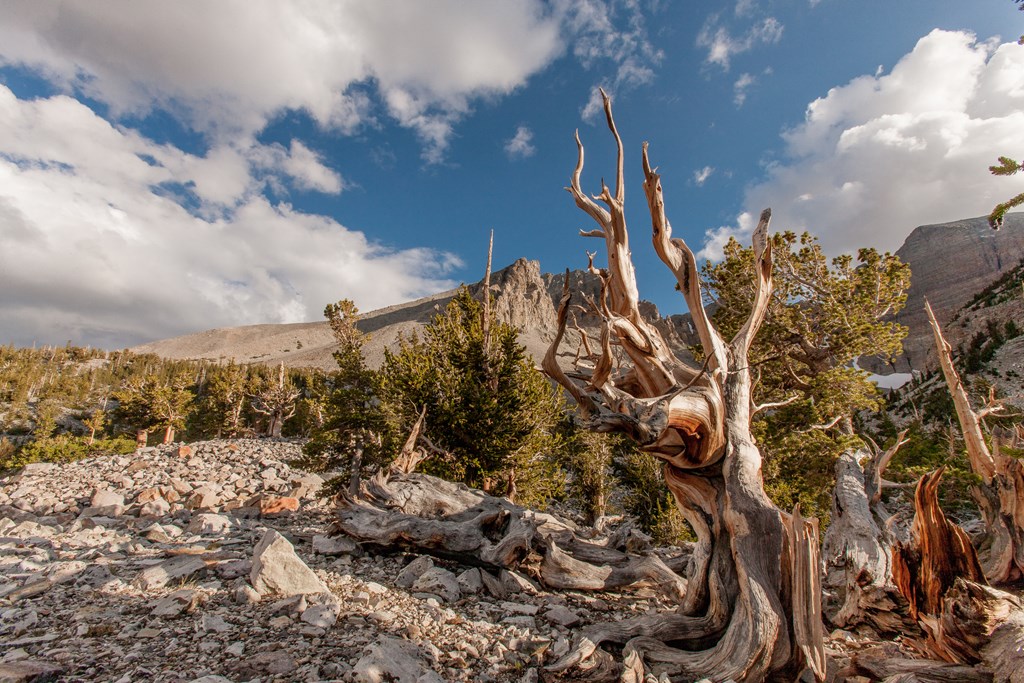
column 858, row 545
column 750, row 611
column 1001, row 492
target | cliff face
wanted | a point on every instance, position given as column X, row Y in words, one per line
column 950, row 263
column 522, row 295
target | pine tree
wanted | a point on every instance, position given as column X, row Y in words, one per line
column 821, row 317
column 354, row 435
column 486, row 405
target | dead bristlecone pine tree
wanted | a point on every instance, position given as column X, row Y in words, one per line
column 752, row 608
column 277, row 401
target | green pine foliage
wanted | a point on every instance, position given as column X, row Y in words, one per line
column 823, row 315
column 352, row 434
column 487, row 407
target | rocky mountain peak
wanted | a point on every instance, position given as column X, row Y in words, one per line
column 949, row 264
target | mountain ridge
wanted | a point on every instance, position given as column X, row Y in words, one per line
column 950, row 263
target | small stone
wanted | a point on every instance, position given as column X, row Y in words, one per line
column 334, row 545
column 235, row 649
column 412, row 571
column 278, row 505
column 440, row 582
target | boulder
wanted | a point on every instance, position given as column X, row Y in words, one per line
column 276, row 569
column 390, row 660
column 439, row 582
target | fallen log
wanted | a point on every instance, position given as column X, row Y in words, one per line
column 424, row 514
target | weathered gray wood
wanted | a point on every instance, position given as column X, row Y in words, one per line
column 737, row 613
column 857, row 549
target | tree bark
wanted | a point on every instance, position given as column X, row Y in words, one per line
column 749, row 611
column 1000, row 495
column 964, row 621
column 858, row 546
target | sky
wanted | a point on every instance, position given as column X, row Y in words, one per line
column 170, row 167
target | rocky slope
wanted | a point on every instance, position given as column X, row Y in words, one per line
column 951, row 263
column 212, row 563
column 523, row 297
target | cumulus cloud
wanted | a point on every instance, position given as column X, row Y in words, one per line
column 112, row 239
column 701, row 175
column 520, row 145
column 884, row 153
column 228, row 67
column 722, row 45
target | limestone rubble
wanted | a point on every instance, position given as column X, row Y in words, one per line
column 142, row 567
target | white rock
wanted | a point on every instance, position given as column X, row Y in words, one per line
column 407, row 577
column 390, row 660
column 173, row 569
column 277, row 569
column 209, row 524
column 439, row 582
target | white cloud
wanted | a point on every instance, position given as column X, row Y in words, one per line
column 609, row 35
column 883, row 154
column 722, row 46
column 740, row 87
column 520, row 145
column 99, row 246
column 228, row 67
column 309, row 172
column 700, row 176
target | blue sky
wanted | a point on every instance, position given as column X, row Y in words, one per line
column 172, row 167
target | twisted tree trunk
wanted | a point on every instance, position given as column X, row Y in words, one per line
column 752, row 608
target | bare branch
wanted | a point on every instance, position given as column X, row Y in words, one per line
column 774, row 404
column 763, row 267
column 675, row 254
column 977, row 450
